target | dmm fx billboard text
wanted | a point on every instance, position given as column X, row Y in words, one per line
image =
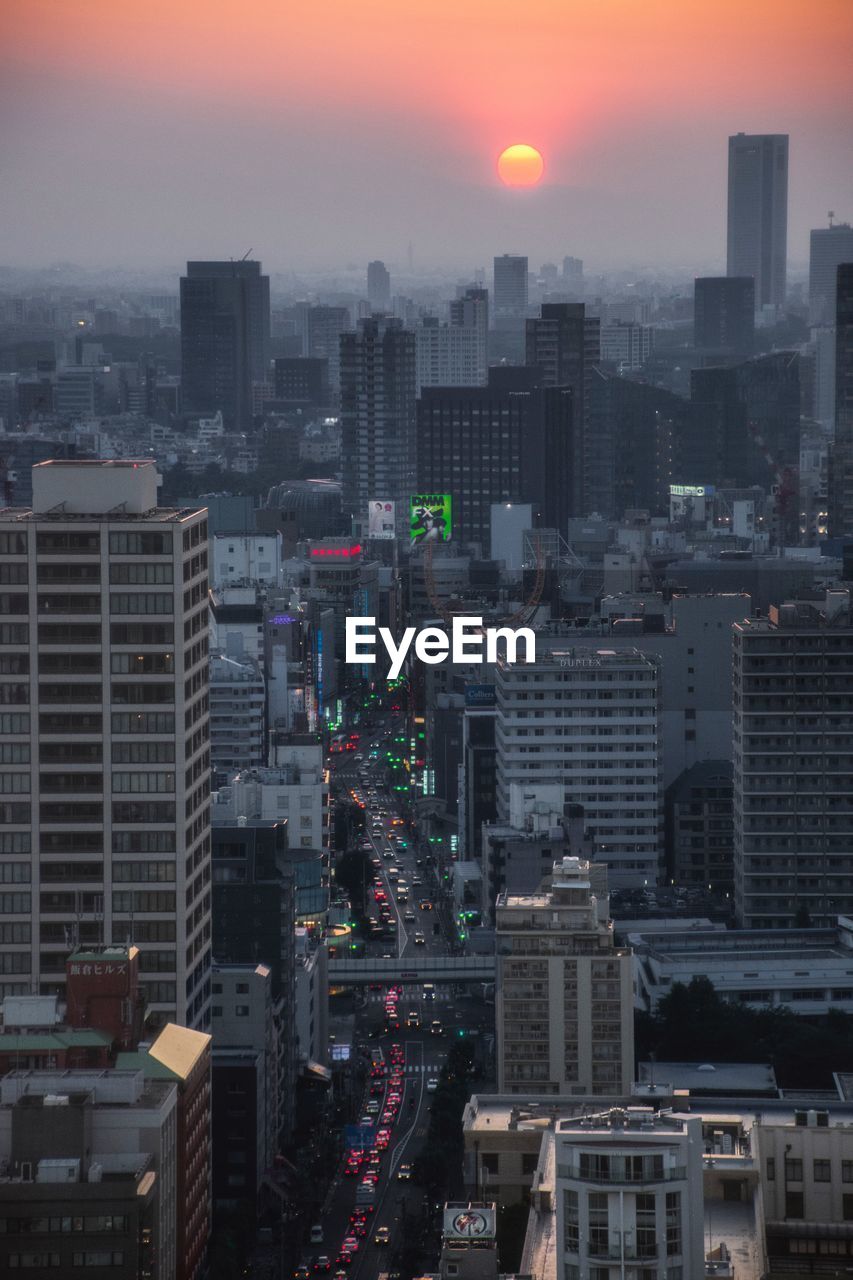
column 380, row 520
column 430, row 518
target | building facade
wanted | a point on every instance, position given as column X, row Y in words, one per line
column 105, row 692
column 724, row 315
column 758, row 213
column 563, row 991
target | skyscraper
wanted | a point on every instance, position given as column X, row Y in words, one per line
column 573, row 278
column 322, row 327
column 105, row 771
column 758, row 213
column 378, row 371
column 225, row 337
column 378, row 286
column 470, row 310
column 841, row 467
column 724, row 315
column 563, row 343
column 563, row 992
column 828, row 248
column 510, row 292
column 509, row 441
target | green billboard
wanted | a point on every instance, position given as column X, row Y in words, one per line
column 430, row 518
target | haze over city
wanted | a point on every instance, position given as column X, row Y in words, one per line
column 328, row 133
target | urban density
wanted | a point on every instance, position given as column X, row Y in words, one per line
column 426, row 689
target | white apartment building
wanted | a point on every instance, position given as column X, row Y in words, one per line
column 589, row 719
column 628, row 1192
column 104, row 774
column 237, row 714
column 627, row 345
column 246, row 557
column 563, row 992
column 448, row 355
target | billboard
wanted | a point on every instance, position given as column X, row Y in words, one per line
column 430, row 518
column 380, row 519
column 480, row 695
column 464, row 1223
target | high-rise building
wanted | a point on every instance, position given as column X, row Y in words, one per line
column 629, row 1193
column 829, row 247
column 564, row 343
column 237, row 715
column 225, row 337
column 470, row 310
column 378, row 376
column 105, row 771
column 793, row 752
column 841, row 465
column 758, row 213
column 633, row 425
column 510, row 441
column 573, row 283
column 564, row 1016
column 724, row 315
column 511, row 284
column 448, row 355
column 597, row 733
column 378, row 286
column 321, row 329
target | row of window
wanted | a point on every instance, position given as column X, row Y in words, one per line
column 115, row 1222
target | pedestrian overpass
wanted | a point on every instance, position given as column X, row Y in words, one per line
column 459, row 969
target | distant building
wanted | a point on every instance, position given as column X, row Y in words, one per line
column 510, row 284
column 563, row 992
column 237, row 715
column 225, row 337
column 378, row 286
column 573, row 278
column 627, row 345
column 302, row 379
column 449, row 355
column 758, row 213
column 470, row 310
column 841, row 466
column 829, row 247
column 793, row 818
column 724, row 315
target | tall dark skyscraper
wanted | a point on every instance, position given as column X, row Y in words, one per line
column 563, row 343
column 378, row 286
column 841, row 479
column 225, row 337
column 378, row 378
column 758, row 213
column 724, row 315
column 508, row 442
column 828, row 248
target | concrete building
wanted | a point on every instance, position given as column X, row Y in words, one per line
column 590, row 720
column 321, row 329
column 563, row 992
column 724, row 316
column 793, row 812
column 89, row 1174
column 698, row 820
column 449, row 355
column 758, row 213
column 629, row 1194
column 79, row 392
column 841, row 464
column 378, row 387
column 470, row 310
column 247, row 1077
column 111, row 597
column 510, row 285
column 243, row 558
column 378, row 286
column 237, row 715
column 806, row 970
column 312, row 997
column 627, row 345
column 296, row 790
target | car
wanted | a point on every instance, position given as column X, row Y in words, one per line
column 372, row 1107
column 359, row 1229
column 383, row 1235
column 317, row 1234
column 322, row 1264
column 302, row 1273
column 435, row 1027
column 420, row 940
column 409, row 917
column 429, row 991
column 343, row 1260
column 426, row 905
column 350, row 1244
column 413, row 1018
column 431, row 1085
column 404, row 1173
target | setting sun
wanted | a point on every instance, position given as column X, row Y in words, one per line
column 520, row 166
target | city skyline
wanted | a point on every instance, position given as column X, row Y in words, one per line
column 338, row 145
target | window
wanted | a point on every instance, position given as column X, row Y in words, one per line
column 13, row 573
column 242, row 988
column 50, row 542
column 822, row 1171
column 847, row 1170
column 140, row 811
column 143, row 722
column 142, row 664
column 142, row 602
column 571, row 1222
column 794, row 1204
column 149, row 543
column 142, row 694
column 140, row 783
column 141, row 575
column 847, row 1208
column 241, row 1010
column 793, row 1170
column 599, row 1227
column 673, row 1223
column 13, row 544
column 771, row 1169
column 14, row 633
column 142, row 632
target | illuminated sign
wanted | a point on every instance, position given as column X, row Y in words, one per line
column 691, row 490
column 468, row 1224
column 338, row 553
column 430, row 518
column 381, row 520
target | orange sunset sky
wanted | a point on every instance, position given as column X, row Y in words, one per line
column 327, row 132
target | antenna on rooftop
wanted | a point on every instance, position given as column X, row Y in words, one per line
column 831, row 215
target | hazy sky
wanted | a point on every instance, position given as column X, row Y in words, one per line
column 143, row 132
